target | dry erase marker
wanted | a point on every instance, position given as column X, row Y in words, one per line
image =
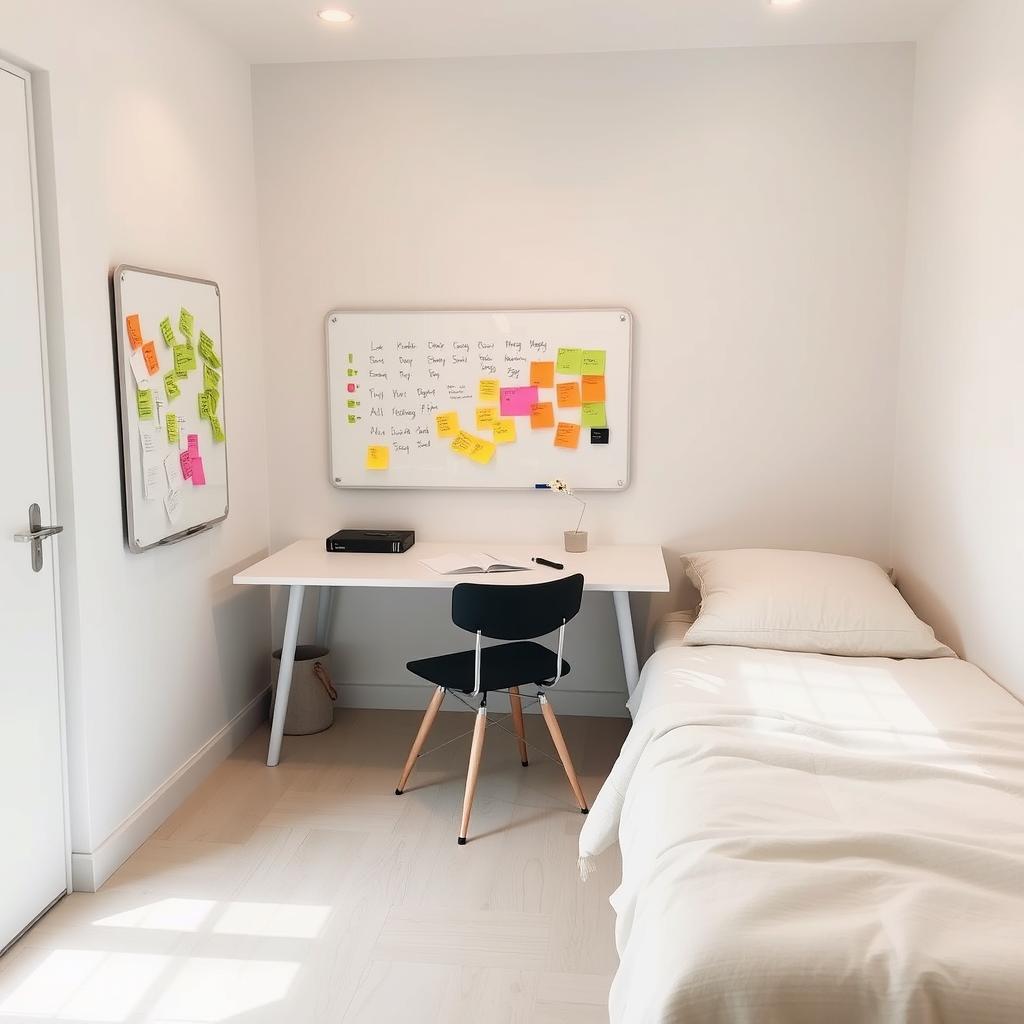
column 550, row 565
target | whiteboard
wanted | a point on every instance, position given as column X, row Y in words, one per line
column 163, row 505
column 392, row 374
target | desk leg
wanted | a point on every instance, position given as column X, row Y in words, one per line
column 627, row 641
column 324, row 608
column 284, row 676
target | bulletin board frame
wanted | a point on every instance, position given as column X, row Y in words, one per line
column 200, row 516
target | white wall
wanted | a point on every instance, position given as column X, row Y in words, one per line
column 959, row 486
column 148, row 160
column 747, row 205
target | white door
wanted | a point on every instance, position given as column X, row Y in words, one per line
column 33, row 859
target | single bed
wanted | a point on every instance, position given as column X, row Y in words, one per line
column 812, row 839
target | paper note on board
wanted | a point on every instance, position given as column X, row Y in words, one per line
column 447, row 424
column 198, row 474
column 186, row 322
column 140, row 371
column 172, row 470
column 144, row 404
column 475, row 448
column 505, row 431
column 191, row 353
column 517, row 401
column 134, row 331
column 487, row 416
column 377, row 456
column 567, row 435
column 568, row 394
column 171, row 423
column 167, row 332
column 152, row 480
column 203, row 401
column 193, row 445
column 206, row 350
column 542, row 415
column 542, row 375
column 593, row 388
column 218, row 430
column 570, row 360
column 173, row 505
column 211, row 378
column 593, row 361
column 147, row 435
column 213, row 396
column 149, row 354
column 182, row 361
column 488, row 390
column 185, row 461
column 171, row 386
column 594, row 415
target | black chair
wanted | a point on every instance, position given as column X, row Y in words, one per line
column 511, row 613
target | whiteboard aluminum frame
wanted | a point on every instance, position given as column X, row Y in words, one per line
column 625, row 313
column 123, row 418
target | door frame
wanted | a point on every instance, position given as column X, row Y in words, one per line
column 44, row 370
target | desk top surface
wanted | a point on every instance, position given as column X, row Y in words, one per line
column 631, row 567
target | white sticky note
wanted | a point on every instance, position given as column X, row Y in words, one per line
column 173, row 505
column 172, row 467
column 148, row 436
column 139, row 368
column 152, row 480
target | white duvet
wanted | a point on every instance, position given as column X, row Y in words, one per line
column 816, row 840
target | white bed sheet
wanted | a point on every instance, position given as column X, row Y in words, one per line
column 809, row 839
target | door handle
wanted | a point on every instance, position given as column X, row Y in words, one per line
column 35, row 536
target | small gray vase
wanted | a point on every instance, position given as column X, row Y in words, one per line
column 575, row 541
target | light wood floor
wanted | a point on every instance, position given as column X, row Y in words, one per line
column 310, row 892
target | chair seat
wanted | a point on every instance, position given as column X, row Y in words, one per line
column 502, row 666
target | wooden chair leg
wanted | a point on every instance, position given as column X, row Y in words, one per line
column 475, row 753
column 517, row 721
column 563, row 752
column 421, row 737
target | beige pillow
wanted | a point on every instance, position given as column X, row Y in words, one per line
column 804, row 601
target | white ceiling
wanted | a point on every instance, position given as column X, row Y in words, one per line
column 272, row 31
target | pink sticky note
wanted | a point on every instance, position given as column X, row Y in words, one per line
column 193, row 445
column 517, row 401
column 198, row 475
column 185, row 458
column 351, row 388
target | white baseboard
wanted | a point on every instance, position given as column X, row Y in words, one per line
column 414, row 697
column 90, row 870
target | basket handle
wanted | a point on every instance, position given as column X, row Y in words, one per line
column 325, row 680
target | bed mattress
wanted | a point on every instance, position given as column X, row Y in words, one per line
column 811, row 839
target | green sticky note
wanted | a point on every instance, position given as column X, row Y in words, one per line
column 186, row 322
column 218, row 430
column 171, row 420
column 352, row 404
column 167, row 331
column 593, row 361
column 211, row 378
column 214, row 398
column 570, row 360
column 594, row 415
column 181, row 361
column 171, row 386
column 144, row 403
column 352, row 373
column 206, row 350
column 191, row 353
column 203, row 401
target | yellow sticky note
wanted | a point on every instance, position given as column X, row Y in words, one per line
column 483, row 451
column 462, row 443
column 568, row 395
column 593, row 387
column 542, row 375
column 567, row 435
column 377, row 456
column 489, row 390
column 593, row 361
column 447, row 424
column 505, row 431
column 487, row 416
column 570, row 361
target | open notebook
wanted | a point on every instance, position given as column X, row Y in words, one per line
column 470, row 562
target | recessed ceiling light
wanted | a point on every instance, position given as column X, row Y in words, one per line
column 783, row 3
column 334, row 15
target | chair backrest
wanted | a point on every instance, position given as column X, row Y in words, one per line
column 516, row 612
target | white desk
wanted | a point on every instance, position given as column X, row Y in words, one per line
column 618, row 570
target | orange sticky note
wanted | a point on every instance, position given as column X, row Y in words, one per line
column 149, row 354
column 593, row 388
column 489, row 388
column 505, row 431
column 486, row 417
column 134, row 331
column 542, row 414
column 568, row 395
column 377, row 456
column 542, row 375
column 567, row 435
column 447, row 424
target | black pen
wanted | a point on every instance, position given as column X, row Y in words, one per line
column 550, row 565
